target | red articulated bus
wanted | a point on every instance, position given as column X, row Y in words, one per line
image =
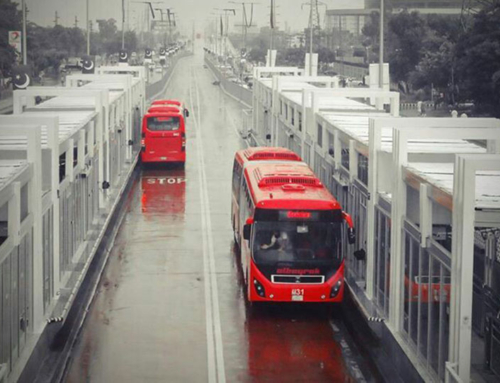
column 291, row 231
column 163, row 137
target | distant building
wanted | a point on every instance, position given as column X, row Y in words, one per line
column 443, row 7
column 351, row 16
column 343, row 27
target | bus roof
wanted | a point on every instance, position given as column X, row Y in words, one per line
column 291, row 185
column 267, row 153
column 163, row 114
column 163, row 108
column 168, row 102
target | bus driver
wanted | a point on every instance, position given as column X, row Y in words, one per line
column 278, row 241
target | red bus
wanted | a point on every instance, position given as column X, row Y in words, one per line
column 291, row 231
column 163, row 137
column 243, row 157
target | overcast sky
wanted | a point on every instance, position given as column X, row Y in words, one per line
column 289, row 11
column 43, row 11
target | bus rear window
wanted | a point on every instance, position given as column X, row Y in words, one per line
column 159, row 124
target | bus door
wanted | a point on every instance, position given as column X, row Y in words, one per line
column 164, row 138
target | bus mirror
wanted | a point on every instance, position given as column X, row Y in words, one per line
column 351, row 236
column 360, row 254
column 187, row 113
column 246, row 231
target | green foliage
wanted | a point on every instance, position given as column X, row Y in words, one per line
column 293, row 57
column 49, row 47
column 371, row 38
column 325, row 55
column 435, row 67
column 108, row 40
column 407, row 31
column 257, row 54
column 478, row 60
column 131, row 41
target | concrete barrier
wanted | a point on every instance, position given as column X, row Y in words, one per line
column 233, row 90
column 154, row 89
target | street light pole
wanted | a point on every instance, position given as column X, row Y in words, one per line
column 123, row 24
column 244, row 20
column 311, row 27
column 25, row 52
column 224, row 36
column 381, row 47
column 272, row 32
column 88, row 29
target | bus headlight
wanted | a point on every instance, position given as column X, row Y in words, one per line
column 335, row 289
column 259, row 288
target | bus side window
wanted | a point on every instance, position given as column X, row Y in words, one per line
column 245, row 203
column 236, row 177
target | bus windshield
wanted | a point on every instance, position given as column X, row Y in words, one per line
column 302, row 242
column 161, row 124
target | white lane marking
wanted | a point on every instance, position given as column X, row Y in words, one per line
column 212, row 377
column 216, row 368
column 215, row 290
column 334, row 327
column 352, row 365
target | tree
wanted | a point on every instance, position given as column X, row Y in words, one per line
column 371, row 32
column 131, row 42
column 293, row 57
column 478, row 60
column 435, row 67
column 438, row 61
column 257, row 54
column 47, row 47
column 408, row 31
column 108, row 39
column 325, row 55
column 77, row 40
column 10, row 20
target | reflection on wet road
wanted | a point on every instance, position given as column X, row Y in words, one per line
column 170, row 307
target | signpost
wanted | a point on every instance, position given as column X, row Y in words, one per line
column 15, row 41
column 160, row 25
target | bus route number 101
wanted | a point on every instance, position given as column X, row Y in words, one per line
column 297, row 294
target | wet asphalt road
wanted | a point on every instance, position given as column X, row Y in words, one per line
column 170, row 307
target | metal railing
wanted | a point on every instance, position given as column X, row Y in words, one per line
column 492, row 345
